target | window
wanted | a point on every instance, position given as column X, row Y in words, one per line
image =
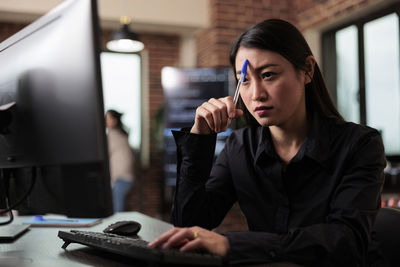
column 382, row 90
column 121, row 90
column 347, row 73
column 362, row 65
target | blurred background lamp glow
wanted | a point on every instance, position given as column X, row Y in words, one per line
column 124, row 40
column 125, row 45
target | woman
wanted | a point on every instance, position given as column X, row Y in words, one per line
column 121, row 159
column 308, row 182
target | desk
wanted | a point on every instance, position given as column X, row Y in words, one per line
column 40, row 246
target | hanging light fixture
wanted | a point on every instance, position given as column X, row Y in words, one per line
column 125, row 40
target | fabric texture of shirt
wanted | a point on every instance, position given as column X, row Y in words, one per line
column 121, row 157
column 317, row 211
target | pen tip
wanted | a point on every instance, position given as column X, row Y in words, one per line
column 244, row 68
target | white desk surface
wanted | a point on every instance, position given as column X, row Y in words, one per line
column 40, row 246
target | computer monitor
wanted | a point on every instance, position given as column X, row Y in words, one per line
column 52, row 114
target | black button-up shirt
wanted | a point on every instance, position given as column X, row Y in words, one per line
column 318, row 210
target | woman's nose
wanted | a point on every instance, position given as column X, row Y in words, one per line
column 258, row 92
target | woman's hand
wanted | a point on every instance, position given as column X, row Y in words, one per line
column 192, row 238
column 215, row 116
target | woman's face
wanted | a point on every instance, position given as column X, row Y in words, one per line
column 273, row 91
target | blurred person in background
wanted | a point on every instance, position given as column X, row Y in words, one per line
column 121, row 159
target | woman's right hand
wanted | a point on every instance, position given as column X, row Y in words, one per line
column 192, row 239
column 215, row 115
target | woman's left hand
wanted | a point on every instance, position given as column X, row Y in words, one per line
column 192, row 238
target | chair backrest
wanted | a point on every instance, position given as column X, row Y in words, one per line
column 387, row 227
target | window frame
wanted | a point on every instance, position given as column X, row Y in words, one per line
column 329, row 56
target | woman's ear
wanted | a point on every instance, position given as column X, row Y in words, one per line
column 309, row 68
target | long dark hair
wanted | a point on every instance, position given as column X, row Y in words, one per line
column 280, row 36
column 116, row 115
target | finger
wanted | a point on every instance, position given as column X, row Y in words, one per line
column 238, row 113
column 230, row 106
column 222, row 111
column 230, row 110
column 179, row 244
column 202, row 113
column 235, row 114
column 211, row 115
column 179, row 237
column 183, row 242
column 212, row 107
column 193, row 245
column 163, row 237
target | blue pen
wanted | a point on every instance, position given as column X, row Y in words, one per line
column 241, row 79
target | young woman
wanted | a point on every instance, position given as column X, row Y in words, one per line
column 307, row 182
column 121, row 159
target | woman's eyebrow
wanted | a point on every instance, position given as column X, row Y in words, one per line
column 260, row 68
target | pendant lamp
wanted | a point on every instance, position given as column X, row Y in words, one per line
column 124, row 40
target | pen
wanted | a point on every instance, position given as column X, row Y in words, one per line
column 41, row 218
column 241, row 79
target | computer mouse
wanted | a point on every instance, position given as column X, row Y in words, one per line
column 125, row 228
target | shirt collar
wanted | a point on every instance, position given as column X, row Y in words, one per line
column 315, row 146
column 265, row 145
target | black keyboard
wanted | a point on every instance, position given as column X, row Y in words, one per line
column 137, row 248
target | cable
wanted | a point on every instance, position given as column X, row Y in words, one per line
column 10, row 208
column 10, row 214
column 4, row 182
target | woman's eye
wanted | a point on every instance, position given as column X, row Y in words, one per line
column 267, row 75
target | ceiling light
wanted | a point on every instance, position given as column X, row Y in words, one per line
column 125, row 40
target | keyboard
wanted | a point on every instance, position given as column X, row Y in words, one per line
column 137, row 248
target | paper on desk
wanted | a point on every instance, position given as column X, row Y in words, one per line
column 61, row 221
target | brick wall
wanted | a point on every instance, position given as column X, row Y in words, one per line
column 228, row 19
column 311, row 13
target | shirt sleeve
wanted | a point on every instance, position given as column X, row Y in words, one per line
column 200, row 198
column 343, row 239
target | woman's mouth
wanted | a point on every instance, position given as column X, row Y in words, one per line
column 263, row 110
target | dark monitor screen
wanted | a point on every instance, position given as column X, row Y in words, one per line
column 52, row 114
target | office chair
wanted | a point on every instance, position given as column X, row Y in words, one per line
column 387, row 227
